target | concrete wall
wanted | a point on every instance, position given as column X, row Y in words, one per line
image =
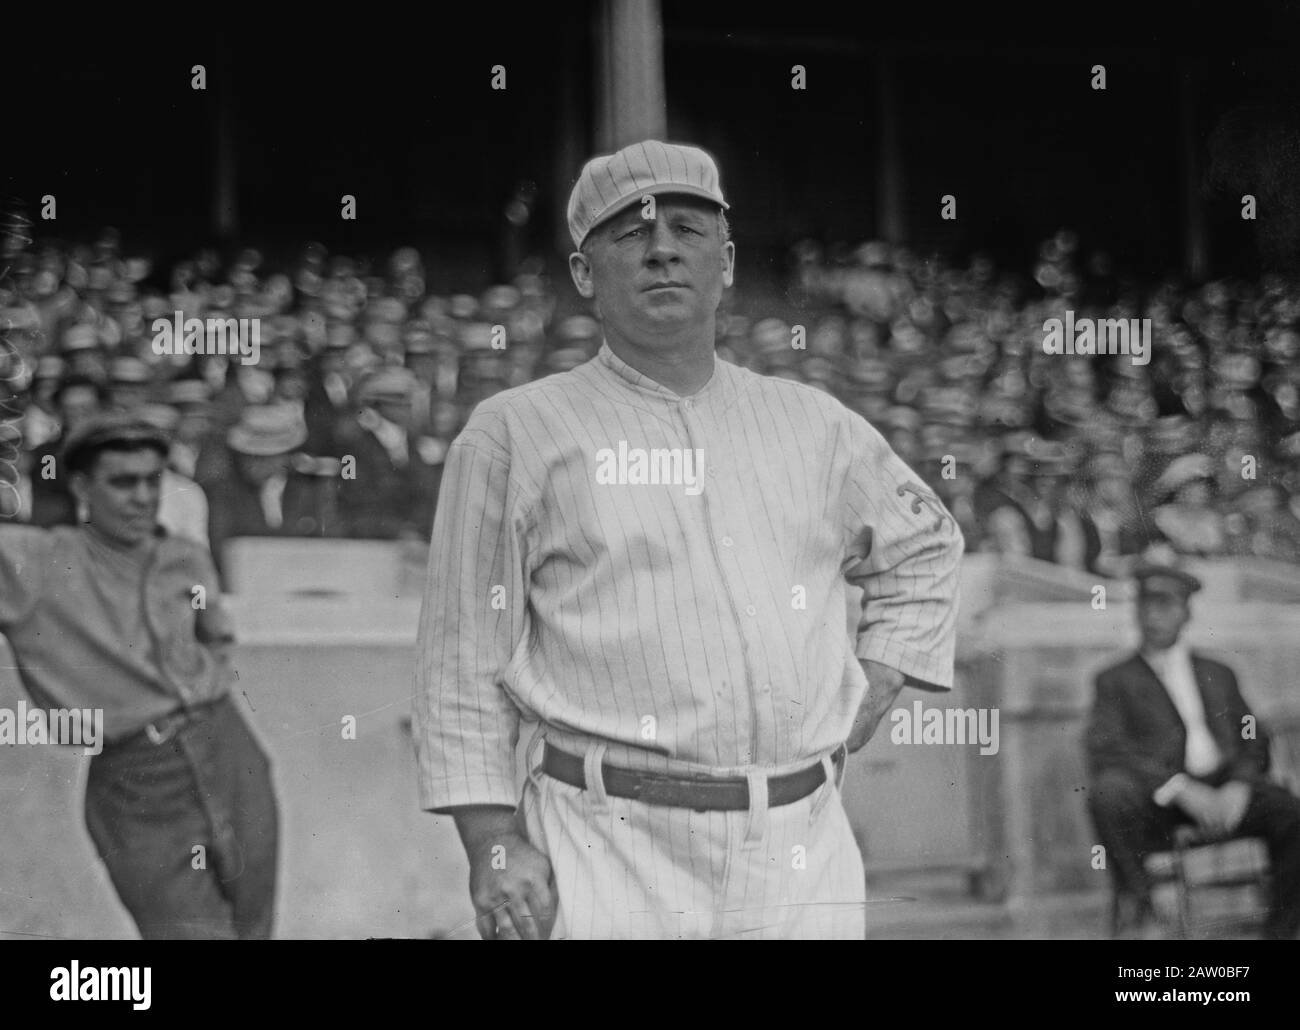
column 359, row 859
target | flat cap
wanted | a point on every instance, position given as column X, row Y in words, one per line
column 613, row 182
column 1160, row 571
column 114, row 427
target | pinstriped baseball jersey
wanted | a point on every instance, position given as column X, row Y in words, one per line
column 667, row 574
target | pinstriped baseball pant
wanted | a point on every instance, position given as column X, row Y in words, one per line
column 624, row 869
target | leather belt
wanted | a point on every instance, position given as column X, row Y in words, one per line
column 702, row 793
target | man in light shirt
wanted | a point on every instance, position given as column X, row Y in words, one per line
column 648, row 553
column 100, row 617
column 1171, row 741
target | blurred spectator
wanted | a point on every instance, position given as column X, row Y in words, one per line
column 129, row 381
column 182, row 504
column 1184, row 514
column 1097, row 454
column 1261, row 526
column 1112, row 506
column 76, row 399
column 397, row 470
column 263, row 486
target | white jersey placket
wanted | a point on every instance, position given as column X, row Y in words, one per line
column 724, row 553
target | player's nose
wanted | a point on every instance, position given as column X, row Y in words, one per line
column 661, row 245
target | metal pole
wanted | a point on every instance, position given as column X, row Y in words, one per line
column 225, row 192
column 891, row 220
column 1196, row 244
column 631, row 98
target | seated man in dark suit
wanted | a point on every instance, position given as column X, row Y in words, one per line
column 1172, row 741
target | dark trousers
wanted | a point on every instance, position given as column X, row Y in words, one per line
column 188, row 828
column 1132, row 826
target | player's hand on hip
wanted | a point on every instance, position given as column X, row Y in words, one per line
column 883, row 685
column 510, row 886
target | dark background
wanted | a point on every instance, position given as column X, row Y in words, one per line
column 396, row 109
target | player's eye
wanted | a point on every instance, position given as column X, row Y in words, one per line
column 634, row 231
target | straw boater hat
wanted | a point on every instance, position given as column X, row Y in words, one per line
column 267, row 429
column 392, row 383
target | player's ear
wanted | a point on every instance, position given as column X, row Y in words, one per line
column 580, row 271
column 728, row 263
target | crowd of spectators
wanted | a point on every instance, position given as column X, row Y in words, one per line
column 366, row 373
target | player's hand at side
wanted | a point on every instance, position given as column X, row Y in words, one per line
column 883, row 685
column 510, row 881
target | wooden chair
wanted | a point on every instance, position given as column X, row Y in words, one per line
column 1197, row 863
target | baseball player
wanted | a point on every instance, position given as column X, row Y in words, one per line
column 647, row 555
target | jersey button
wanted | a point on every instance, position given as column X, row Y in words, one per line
column 751, row 610
column 727, row 541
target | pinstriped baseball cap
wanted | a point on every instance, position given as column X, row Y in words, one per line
column 613, row 182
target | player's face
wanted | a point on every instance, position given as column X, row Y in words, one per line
column 121, row 493
column 658, row 276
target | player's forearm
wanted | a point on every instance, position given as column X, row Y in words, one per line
column 884, row 684
column 481, row 825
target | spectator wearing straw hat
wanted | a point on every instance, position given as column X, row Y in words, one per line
column 1186, row 516
column 397, row 470
column 129, row 383
column 260, row 489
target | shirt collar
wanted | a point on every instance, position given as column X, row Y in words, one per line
column 720, row 389
column 1165, row 657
